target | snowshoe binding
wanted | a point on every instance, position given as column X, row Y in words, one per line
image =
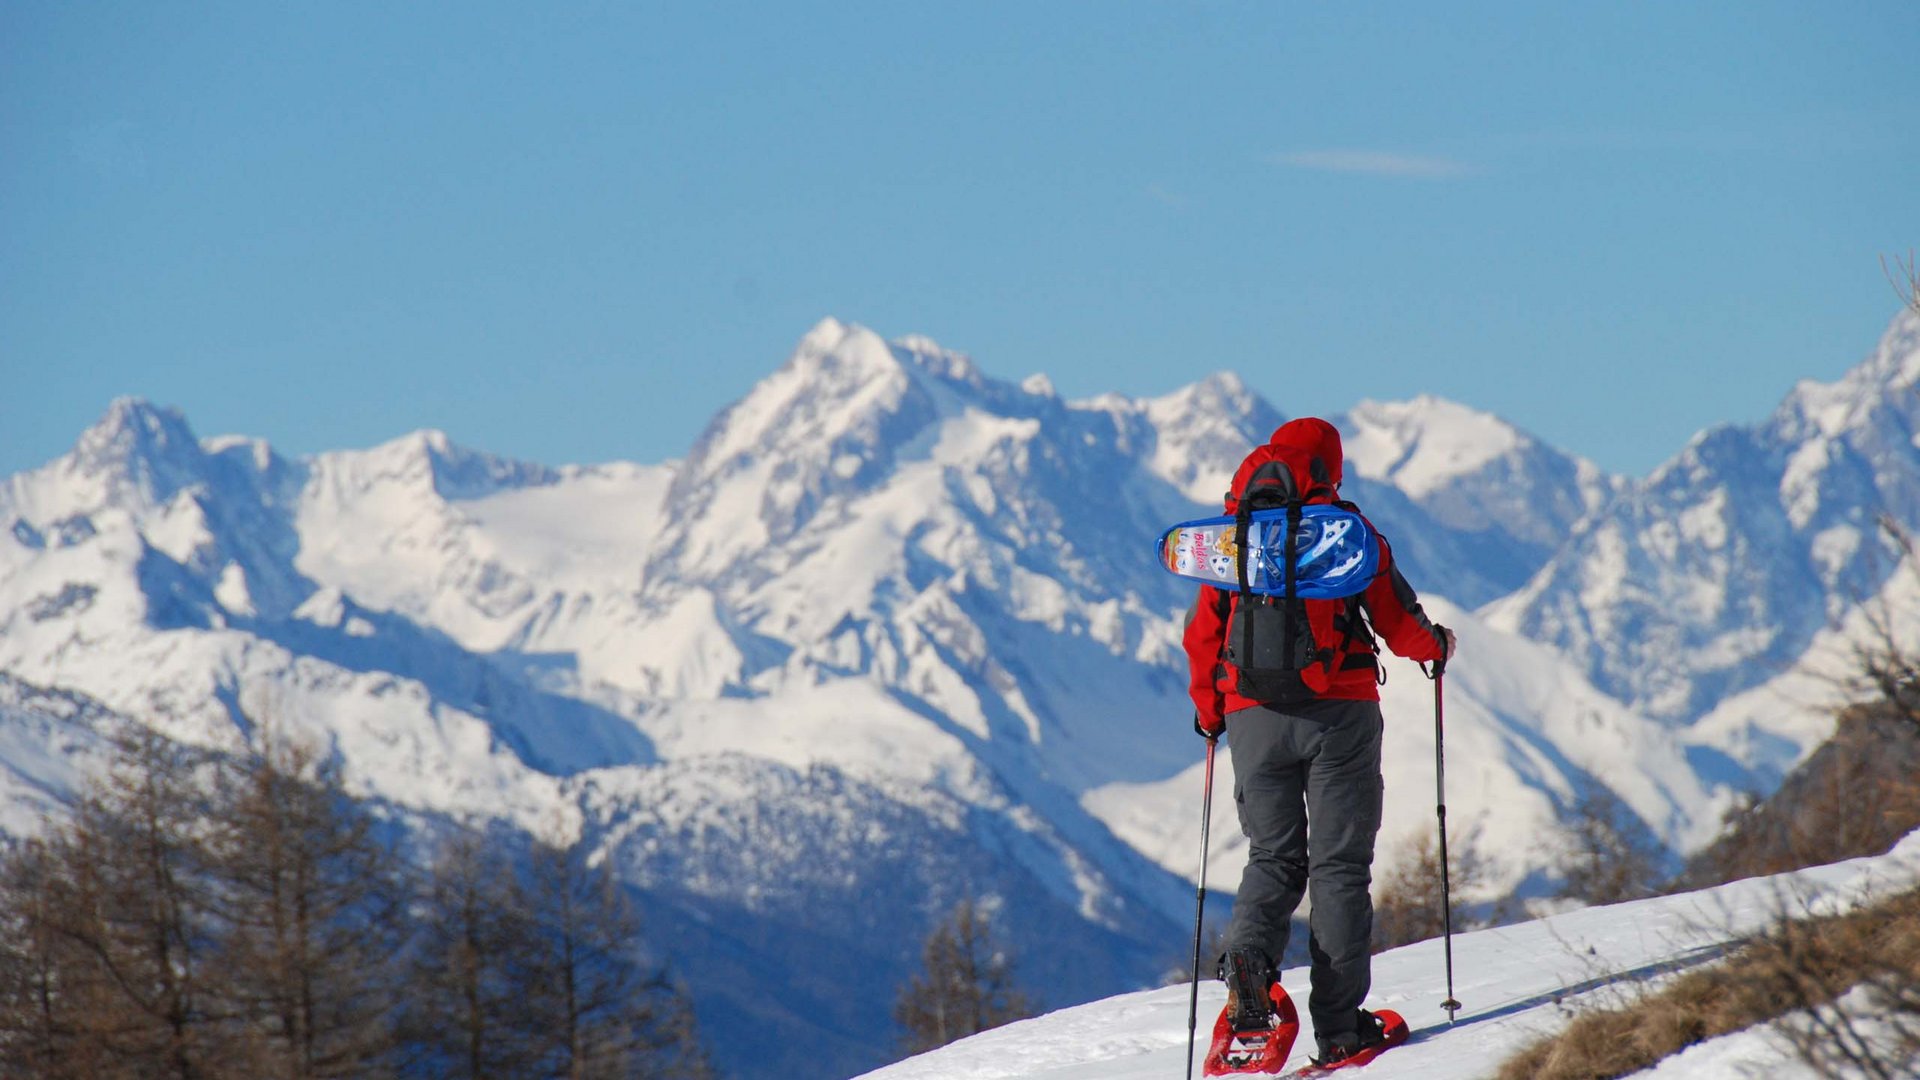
column 1256, row 1030
column 1377, row 1033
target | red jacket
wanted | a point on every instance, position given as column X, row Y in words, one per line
column 1309, row 449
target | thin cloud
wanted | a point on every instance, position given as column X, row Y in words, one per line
column 1162, row 195
column 1374, row 163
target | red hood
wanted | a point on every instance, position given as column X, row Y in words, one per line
column 1318, row 442
column 1308, row 448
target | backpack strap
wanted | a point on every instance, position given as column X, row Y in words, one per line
column 1242, row 520
column 1291, row 575
column 1354, row 627
column 1356, row 616
column 1223, row 611
column 1270, row 484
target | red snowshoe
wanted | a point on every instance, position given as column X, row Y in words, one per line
column 1256, row 1030
column 1256, row 1050
column 1393, row 1032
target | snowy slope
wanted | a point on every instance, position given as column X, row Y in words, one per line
column 1516, row 983
column 1751, row 739
column 49, row 742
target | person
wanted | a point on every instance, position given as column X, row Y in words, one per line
column 1305, row 749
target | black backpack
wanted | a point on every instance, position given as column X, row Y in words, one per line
column 1270, row 638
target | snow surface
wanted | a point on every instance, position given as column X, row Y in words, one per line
column 1517, row 983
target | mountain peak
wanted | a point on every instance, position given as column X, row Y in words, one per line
column 1223, row 394
column 1888, row 374
column 838, row 374
column 927, row 355
column 430, row 459
column 1897, row 360
column 841, row 346
column 824, row 333
column 1223, row 383
column 1421, row 444
column 1204, row 429
column 430, row 441
column 1039, row 385
column 133, row 424
column 141, row 449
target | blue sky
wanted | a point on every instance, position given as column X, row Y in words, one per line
column 573, row 232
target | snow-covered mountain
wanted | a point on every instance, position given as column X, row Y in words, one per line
column 890, row 632
column 1475, row 475
column 1716, row 573
column 49, row 742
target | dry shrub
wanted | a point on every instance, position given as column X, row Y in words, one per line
column 1797, row 966
column 1905, row 279
column 1811, row 964
column 1410, row 904
column 1610, row 1043
column 1610, row 855
column 1858, row 794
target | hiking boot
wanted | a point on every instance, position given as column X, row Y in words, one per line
column 1248, row 973
column 1338, row 1046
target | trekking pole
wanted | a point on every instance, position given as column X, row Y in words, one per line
column 1440, row 794
column 1200, row 903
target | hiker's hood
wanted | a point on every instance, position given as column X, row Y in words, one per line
column 1318, row 442
column 1307, row 449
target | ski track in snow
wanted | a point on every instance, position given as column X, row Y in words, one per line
column 1516, row 982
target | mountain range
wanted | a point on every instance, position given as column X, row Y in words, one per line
column 891, row 633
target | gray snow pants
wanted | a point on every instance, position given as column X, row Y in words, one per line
column 1307, row 784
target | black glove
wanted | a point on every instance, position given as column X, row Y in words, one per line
column 1445, row 639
